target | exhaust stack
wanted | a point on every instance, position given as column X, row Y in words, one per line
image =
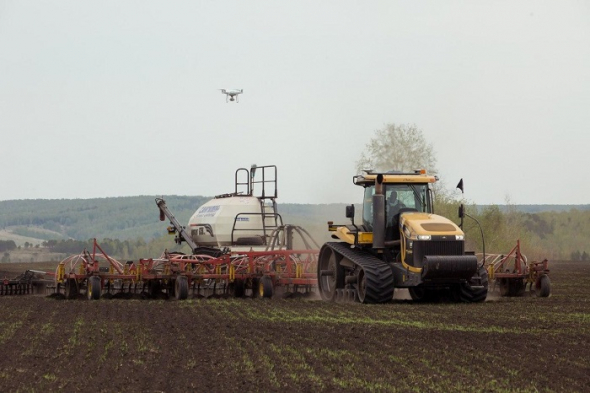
column 379, row 214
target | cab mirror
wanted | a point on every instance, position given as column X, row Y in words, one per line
column 350, row 211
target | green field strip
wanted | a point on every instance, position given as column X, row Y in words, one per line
column 481, row 320
column 402, row 323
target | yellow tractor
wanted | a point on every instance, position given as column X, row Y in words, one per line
column 401, row 243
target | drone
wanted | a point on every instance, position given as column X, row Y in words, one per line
column 231, row 94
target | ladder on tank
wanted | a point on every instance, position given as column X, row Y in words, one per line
column 261, row 182
column 267, row 179
column 271, row 220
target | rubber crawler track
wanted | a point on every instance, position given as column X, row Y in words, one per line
column 379, row 284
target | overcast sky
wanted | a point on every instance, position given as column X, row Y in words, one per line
column 120, row 98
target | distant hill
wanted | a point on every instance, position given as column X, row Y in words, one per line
column 125, row 218
column 37, row 220
column 81, row 219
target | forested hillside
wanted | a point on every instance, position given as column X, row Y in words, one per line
column 116, row 218
column 129, row 227
column 555, row 234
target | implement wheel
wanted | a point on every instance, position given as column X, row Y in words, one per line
column 181, row 288
column 543, row 286
column 265, row 288
column 93, row 290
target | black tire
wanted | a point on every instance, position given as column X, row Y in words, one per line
column 93, row 288
column 71, row 288
column 543, row 286
column 330, row 274
column 239, row 288
column 181, row 288
column 265, row 287
column 476, row 290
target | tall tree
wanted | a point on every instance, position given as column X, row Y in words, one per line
column 400, row 147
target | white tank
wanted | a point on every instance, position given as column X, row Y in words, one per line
column 212, row 224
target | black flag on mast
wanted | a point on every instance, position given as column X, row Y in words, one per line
column 460, row 185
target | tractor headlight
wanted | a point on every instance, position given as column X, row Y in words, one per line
column 424, row 237
column 459, row 237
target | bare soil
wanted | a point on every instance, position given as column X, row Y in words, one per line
column 291, row 345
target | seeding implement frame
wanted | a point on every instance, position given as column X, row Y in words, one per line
column 28, row 283
column 293, row 271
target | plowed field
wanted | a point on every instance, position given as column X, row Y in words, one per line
column 505, row 344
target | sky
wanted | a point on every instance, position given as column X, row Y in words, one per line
column 121, row 98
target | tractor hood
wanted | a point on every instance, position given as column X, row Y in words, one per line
column 427, row 226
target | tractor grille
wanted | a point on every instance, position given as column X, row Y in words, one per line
column 436, row 247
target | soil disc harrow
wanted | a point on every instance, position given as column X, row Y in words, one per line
column 512, row 273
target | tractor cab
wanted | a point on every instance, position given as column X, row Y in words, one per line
column 402, row 192
column 399, row 198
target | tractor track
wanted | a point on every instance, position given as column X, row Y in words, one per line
column 378, row 276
